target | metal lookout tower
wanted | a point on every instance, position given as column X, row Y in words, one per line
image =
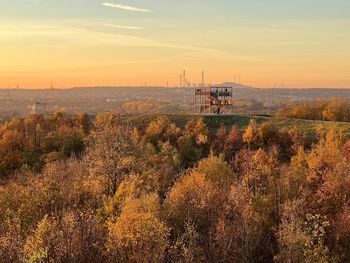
column 213, row 101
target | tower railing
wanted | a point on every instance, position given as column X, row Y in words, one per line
column 213, row 100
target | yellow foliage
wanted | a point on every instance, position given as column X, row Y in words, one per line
column 251, row 133
column 192, row 198
column 216, row 170
column 138, row 235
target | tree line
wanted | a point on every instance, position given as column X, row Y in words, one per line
column 324, row 110
column 102, row 190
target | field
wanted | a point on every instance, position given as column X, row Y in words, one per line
column 242, row 121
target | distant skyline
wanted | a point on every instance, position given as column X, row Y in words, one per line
column 269, row 43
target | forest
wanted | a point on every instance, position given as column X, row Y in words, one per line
column 80, row 188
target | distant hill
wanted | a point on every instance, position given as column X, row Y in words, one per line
column 153, row 99
column 235, row 85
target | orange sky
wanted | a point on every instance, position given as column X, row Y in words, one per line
column 295, row 44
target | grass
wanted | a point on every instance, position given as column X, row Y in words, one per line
column 312, row 126
column 242, row 121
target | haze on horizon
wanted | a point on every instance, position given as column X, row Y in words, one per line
column 129, row 42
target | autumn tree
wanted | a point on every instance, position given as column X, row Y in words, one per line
column 188, row 246
column 328, row 176
column 69, row 239
column 138, row 234
column 216, row 170
column 292, row 239
column 251, row 134
column 193, row 144
column 239, row 232
column 161, row 130
column 346, row 150
column 192, row 198
column 219, row 142
column 233, row 143
column 109, row 155
column 11, row 239
column 340, row 238
column 268, row 133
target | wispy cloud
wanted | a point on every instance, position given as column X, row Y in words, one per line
column 124, row 27
column 60, row 36
column 125, row 7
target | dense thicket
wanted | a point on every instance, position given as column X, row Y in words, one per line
column 326, row 110
column 34, row 141
column 108, row 192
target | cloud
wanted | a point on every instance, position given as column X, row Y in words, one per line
column 67, row 35
column 125, row 7
column 124, row 27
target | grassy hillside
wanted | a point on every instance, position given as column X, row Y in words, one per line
column 242, row 121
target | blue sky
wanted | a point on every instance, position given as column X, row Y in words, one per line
column 257, row 9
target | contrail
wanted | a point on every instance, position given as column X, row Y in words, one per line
column 125, row 7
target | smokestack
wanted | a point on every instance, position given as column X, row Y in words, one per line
column 181, row 81
column 51, row 91
column 184, row 78
column 202, row 78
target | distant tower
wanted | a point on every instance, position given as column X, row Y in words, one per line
column 181, row 81
column 8, row 95
column 51, row 91
column 184, row 78
column 202, row 78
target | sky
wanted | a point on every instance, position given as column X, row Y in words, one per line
column 268, row 43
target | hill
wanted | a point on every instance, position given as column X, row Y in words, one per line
column 247, row 100
column 242, row 121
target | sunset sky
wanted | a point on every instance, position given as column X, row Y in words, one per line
column 298, row 43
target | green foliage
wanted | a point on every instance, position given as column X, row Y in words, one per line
column 269, row 133
column 193, row 144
